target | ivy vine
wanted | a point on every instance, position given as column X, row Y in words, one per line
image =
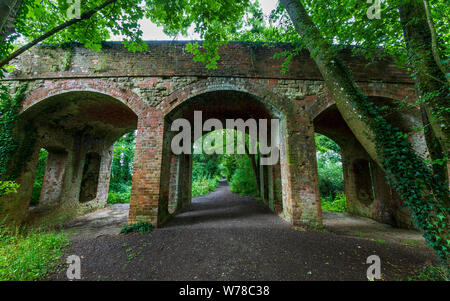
column 423, row 192
column 9, row 116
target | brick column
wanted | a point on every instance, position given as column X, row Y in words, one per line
column 52, row 185
column 277, row 189
column 185, row 181
column 105, row 174
column 301, row 202
column 145, row 191
column 174, row 183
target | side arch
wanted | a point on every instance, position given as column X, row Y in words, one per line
column 397, row 92
column 109, row 88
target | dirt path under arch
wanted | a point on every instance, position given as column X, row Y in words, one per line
column 224, row 236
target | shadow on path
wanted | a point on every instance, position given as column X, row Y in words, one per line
column 225, row 236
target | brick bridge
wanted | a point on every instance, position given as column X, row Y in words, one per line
column 79, row 102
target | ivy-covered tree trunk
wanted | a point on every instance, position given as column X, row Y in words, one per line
column 431, row 83
column 337, row 78
column 407, row 172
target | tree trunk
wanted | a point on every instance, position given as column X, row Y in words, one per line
column 434, row 39
column 342, row 88
column 431, row 83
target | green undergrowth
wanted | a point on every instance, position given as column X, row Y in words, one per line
column 203, row 186
column 431, row 273
column 119, row 197
column 339, row 204
column 142, row 227
column 27, row 255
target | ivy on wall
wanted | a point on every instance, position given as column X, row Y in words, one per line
column 9, row 116
column 423, row 192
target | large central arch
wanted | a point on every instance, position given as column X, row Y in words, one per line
column 224, row 98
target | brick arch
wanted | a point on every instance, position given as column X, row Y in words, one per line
column 397, row 92
column 50, row 88
column 254, row 87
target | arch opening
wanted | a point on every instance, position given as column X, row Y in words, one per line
column 185, row 177
column 78, row 130
column 366, row 189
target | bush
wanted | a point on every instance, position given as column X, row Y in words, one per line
column 31, row 256
column 142, row 227
column 337, row 205
column 243, row 180
column 119, row 197
column 203, row 186
column 8, row 187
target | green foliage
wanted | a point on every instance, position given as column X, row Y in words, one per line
column 9, row 110
column 29, row 256
column 329, row 165
column 8, row 187
column 214, row 20
column 205, row 166
column 119, row 197
column 414, row 181
column 142, row 228
column 203, row 186
column 120, row 18
column 431, row 273
column 337, row 205
column 122, row 169
column 243, row 180
column 39, row 177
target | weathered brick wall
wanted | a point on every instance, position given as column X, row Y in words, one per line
column 170, row 59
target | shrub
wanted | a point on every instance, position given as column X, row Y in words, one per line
column 337, row 205
column 243, row 180
column 203, row 186
column 142, row 227
column 119, row 197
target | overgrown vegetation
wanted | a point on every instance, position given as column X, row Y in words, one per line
column 142, row 228
column 29, row 254
column 122, row 169
column 339, row 204
column 431, row 273
column 331, row 179
column 39, row 177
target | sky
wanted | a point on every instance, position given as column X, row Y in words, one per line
column 153, row 32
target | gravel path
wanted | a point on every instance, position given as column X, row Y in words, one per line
column 225, row 236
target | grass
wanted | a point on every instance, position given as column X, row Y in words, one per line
column 337, row 205
column 203, row 186
column 29, row 255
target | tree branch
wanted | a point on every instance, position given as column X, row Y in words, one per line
column 55, row 30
